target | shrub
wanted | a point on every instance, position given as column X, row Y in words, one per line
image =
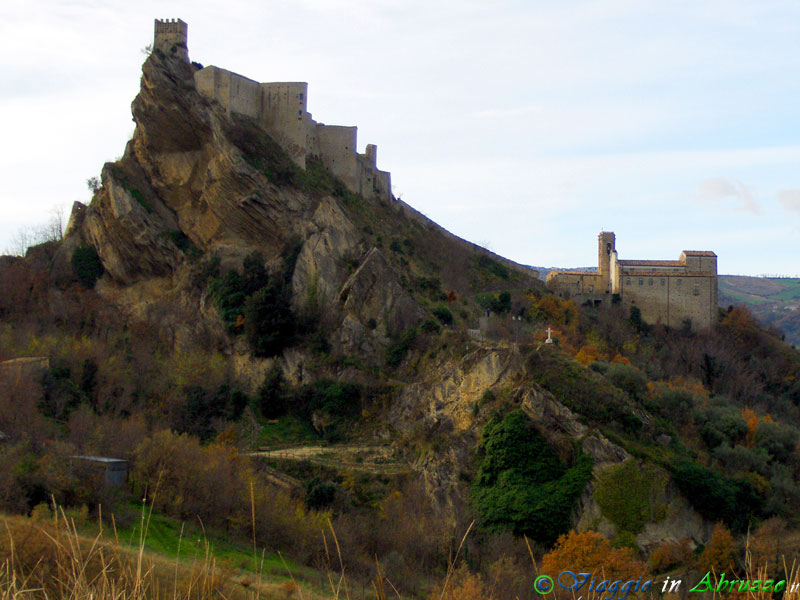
column 720, row 424
column 735, row 502
column 589, row 551
column 397, row 351
column 625, row 492
column 521, row 485
column 269, row 324
column 272, row 394
column 86, row 265
column 443, row 314
column 776, row 439
column 319, row 494
column 629, row 379
column 430, row 326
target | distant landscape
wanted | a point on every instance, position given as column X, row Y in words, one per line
column 775, row 301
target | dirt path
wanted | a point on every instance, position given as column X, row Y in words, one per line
column 372, row 459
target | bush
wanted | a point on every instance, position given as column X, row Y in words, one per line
column 269, row 324
column 443, row 314
column 521, row 485
column 735, row 502
column 430, row 326
column 397, row 351
column 624, row 493
column 272, row 394
column 589, row 551
column 86, row 265
column 629, row 379
column 319, row 494
column 720, row 424
column 777, row 440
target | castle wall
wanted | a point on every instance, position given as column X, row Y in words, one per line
column 281, row 109
column 337, row 145
column 170, row 38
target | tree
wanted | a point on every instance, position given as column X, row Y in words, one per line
column 589, row 551
column 268, row 320
column 720, row 552
column 94, row 185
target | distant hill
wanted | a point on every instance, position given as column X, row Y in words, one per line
column 775, row 301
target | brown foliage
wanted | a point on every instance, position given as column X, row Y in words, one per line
column 590, row 551
column 719, row 554
column 669, row 554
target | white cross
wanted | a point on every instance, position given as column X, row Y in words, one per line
column 549, row 339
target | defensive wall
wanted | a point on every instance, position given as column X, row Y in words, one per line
column 281, row 109
column 670, row 292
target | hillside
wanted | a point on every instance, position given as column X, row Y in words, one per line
column 278, row 357
column 775, row 302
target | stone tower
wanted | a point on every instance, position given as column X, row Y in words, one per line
column 170, row 37
column 605, row 247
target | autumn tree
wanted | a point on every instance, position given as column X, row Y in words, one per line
column 589, row 551
column 720, row 552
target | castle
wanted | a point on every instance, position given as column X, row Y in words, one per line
column 670, row 292
column 281, row 110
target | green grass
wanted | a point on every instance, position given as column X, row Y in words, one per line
column 171, row 538
column 286, row 430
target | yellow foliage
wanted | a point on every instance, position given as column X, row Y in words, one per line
column 587, row 355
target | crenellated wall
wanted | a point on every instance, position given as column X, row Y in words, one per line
column 281, row 109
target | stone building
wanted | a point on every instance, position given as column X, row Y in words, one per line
column 281, row 110
column 670, row 292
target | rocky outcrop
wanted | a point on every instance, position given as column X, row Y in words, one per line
column 322, row 267
column 374, row 303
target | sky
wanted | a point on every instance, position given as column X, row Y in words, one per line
column 525, row 126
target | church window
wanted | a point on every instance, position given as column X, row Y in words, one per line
column 679, row 281
column 650, row 281
column 627, row 281
column 696, row 289
column 641, row 282
column 662, row 282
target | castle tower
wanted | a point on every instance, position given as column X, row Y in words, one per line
column 170, row 37
column 605, row 248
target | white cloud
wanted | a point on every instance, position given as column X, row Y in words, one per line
column 723, row 189
column 790, row 199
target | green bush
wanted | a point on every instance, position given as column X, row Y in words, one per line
column 397, row 351
column 776, row 439
column 444, row 315
column 430, row 326
column 629, row 379
column 735, row 502
column 521, row 485
column 624, row 493
column 86, row 265
column 319, row 494
column 269, row 324
column 272, row 394
column 720, row 424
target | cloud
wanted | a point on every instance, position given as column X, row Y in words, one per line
column 723, row 189
column 790, row 199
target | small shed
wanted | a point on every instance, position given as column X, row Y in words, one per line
column 115, row 470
